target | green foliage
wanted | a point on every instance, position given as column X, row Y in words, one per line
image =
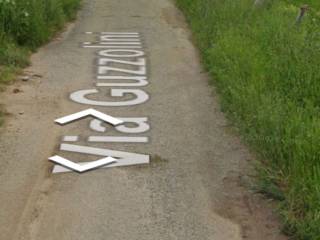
column 27, row 24
column 266, row 68
column 32, row 22
column 11, row 55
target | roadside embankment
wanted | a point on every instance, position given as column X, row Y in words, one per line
column 264, row 58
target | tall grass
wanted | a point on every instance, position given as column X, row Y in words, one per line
column 25, row 25
column 266, row 69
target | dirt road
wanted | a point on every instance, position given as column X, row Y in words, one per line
column 195, row 186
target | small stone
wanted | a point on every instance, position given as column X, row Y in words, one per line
column 25, row 78
column 21, row 112
column 37, row 75
column 16, row 90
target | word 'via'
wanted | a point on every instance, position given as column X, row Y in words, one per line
column 121, row 72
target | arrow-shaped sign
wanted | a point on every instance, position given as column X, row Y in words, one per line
column 82, row 167
column 89, row 112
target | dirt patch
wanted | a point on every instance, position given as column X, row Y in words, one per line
column 251, row 210
column 174, row 18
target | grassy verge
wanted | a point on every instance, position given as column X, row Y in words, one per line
column 26, row 25
column 266, row 69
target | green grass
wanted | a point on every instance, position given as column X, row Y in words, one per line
column 26, row 25
column 267, row 71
